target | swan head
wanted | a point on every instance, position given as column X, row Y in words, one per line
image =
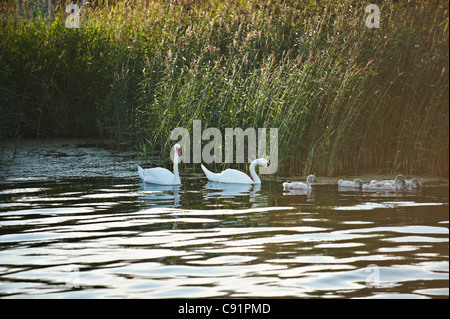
column 177, row 149
column 358, row 182
column 400, row 180
column 310, row 179
column 263, row 162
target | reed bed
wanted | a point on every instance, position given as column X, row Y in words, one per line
column 344, row 97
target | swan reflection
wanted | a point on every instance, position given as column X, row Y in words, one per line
column 297, row 192
column 161, row 195
column 215, row 190
column 308, row 193
column 349, row 189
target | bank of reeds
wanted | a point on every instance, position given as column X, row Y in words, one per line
column 344, row 97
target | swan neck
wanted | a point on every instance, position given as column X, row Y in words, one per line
column 255, row 176
column 176, row 176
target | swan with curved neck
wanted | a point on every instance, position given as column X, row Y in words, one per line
column 233, row 176
column 160, row 175
column 300, row 185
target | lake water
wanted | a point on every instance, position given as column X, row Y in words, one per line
column 76, row 222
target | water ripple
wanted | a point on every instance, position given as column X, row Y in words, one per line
column 117, row 239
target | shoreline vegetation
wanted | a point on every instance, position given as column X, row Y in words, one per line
column 344, row 97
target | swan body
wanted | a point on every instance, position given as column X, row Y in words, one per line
column 387, row 185
column 300, row 185
column 160, row 175
column 356, row 183
column 409, row 183
column 379, row 186
column 390, row 181
column 413, row 183
column 233, row 176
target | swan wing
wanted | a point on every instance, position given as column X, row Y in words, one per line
column 229, row 176
column 158, row 175
column 379, row 186
column 234, row 176
column 384, row 181
column 371, row 186
column 295, row 185
column 343, row 183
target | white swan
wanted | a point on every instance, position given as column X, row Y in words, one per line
column 356, row 183
column 163, row 176
column 387, row 185
column 300, row 185
column 233, row 176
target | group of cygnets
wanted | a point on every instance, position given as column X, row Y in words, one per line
column 397, row 184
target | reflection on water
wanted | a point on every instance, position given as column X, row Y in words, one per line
column 115, row 238
column 217, row 190
column 228, row 193
column 94, row 236
column 159, row 195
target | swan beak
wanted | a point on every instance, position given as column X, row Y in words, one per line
column 179, row 152
column 268, row 165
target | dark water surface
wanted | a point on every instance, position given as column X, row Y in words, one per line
column 76, row 222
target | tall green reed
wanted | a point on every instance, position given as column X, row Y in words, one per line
column 344, row 97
